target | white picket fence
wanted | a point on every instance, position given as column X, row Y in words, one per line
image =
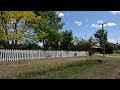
column 15, row 55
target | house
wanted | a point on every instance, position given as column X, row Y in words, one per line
column 96, row 49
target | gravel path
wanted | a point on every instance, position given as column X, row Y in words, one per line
column 118, row 74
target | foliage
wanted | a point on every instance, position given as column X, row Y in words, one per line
column 109, row 48
column 99, row 35
column 67, row 40
column 93, row 41
column 3, row 25
column 29, row 46
column 16, row 25
column 82, row 45
column 49, row 25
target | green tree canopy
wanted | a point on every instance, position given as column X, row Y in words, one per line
column 99, row 35
column 49, row 26
column 67, row 41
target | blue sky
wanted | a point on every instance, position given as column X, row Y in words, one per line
column 85, row 23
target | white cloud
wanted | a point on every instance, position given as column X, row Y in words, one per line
column 60, row 14
column 78, row 23
column 112, row 41
column 115, row 12
column 111, row 24
column 100, row 26
column 96, row 26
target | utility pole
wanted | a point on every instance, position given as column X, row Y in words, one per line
column 103, row 38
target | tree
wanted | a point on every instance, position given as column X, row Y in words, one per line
column 67, row 40
column 22, row 24
column 93, row 41
column 4, row 37
column 118, row 46
column 82, row 45
column 17, row 25
column 99, row 35
column 49, row 26
column 76, row 40
column 53, row 40
column 109, row 48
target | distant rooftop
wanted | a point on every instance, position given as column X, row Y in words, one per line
column 96, row 47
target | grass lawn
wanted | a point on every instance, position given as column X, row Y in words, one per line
column 114, row 54
column 62, row 68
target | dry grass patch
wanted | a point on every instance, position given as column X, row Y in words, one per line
column 62, row 68
column 16, row 67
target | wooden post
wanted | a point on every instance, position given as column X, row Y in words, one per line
column 15, row 54
column 38, row 54
column 1, row 57
column 61, row 54
column 8, row 54
column 21, row 51
column 5, row 55
column 27, row 54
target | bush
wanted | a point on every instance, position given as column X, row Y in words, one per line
column 109, row 48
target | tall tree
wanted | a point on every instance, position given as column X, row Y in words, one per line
column 18, row 25
column 4, row 37
column 67, row 41
column 23, row 23
column 49, row 26
column 93, row 41
column 82, row 45
column 99, row 35
column 76, row 40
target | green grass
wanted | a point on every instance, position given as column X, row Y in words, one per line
column 114, row 54
column 66, row 71
column 70, row 71
column 62, row 68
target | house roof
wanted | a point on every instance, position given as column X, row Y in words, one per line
column 95, row 47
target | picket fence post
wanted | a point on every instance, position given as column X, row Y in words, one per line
column 15, row 55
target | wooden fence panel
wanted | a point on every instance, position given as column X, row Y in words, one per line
column 15, row 55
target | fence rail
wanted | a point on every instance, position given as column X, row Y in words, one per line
column 15, row 55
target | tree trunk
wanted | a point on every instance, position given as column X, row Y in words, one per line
column 15, row 45
column 16, row 32
column 44, row 45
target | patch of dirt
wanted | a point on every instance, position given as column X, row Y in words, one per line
column 117, row 76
